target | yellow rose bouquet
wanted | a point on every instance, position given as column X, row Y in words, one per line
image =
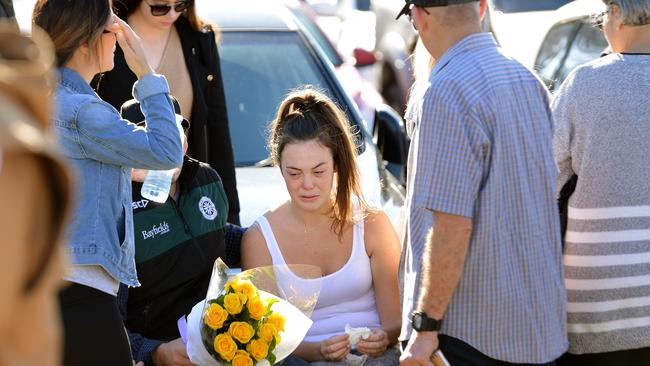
column 257, row 317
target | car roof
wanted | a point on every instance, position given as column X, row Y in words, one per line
column 578, row 9
column 259, row 15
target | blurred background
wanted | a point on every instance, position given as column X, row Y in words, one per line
column 550, row 36
column 358, row 54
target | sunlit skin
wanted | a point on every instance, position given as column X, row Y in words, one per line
column 608, row 29
column 107, row 45
column 154, row 30
column 88, row 64
column 302, row 228
column 308, row 171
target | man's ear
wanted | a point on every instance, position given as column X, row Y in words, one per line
column 419, row 18
column 615, row 16
column 482, row 8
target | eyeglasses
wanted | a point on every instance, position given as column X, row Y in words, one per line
column 408, row 14
column 598, row 19
column 159, row 10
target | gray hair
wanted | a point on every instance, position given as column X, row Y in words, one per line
column 633, row 12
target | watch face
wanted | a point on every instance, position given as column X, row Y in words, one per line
column 417, row 321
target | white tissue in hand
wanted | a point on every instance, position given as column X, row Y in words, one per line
column 357, row 334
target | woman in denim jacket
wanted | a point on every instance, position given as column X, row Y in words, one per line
column 103, row 148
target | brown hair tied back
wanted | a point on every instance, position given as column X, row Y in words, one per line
column 70, row 23
column 307, row 114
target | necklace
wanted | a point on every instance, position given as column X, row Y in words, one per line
column 164, row 52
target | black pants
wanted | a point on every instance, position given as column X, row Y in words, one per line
column 632, row 357
column 94, row 331
column 459, row 353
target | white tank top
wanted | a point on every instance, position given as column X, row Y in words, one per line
column 346, row 296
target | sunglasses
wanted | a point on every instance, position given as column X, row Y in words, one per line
column 159, row 10
column 410, row 16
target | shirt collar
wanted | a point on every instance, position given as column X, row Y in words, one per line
column 72, row 79
column 472, row 42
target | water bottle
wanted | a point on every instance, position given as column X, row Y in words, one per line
column 158, row 182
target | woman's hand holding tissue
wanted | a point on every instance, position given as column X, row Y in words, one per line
column 335, row 348
column 375, row 345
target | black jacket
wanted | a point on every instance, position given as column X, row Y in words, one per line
column 176, row 244
column 209, row 135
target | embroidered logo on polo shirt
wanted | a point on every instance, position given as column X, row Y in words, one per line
column 207, row 208
column 160, row 229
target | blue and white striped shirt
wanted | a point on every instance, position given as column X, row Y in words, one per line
column 482, row 148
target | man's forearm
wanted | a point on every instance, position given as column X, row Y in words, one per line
column 443, row 262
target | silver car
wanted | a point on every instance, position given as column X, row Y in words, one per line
column 264, row 54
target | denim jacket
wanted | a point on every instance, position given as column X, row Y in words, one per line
column 102, row 147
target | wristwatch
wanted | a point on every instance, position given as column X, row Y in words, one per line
column 422, row 323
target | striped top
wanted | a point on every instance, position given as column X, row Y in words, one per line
column 602, row 113
column 482, row 148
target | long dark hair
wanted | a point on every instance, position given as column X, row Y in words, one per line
column 307, row 114
column 124, row 8
column 70, row 23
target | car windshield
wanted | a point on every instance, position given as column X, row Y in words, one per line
column 515, row 6
column 259, row 69
column 319, row 37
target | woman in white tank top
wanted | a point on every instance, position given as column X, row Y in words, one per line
column 326, row 223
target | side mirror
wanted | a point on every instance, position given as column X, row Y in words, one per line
column 363, row 57
column 389, row 135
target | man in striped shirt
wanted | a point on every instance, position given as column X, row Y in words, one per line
column 482, row 215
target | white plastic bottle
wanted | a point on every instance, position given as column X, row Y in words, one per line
column 157, row 183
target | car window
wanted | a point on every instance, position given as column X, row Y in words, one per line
column 514, row 6
column 259, row 69
column 554, row 49
column 320, row 38
column 588, row 44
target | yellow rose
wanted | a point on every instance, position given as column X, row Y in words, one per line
column 244, row 287
column 267, row 332
column 256, row 308
column 242, row 358
column 277, row 320
column 234, row 303
column 258, row 349
column 214, row 316
column 241, row 331
column 247, row 288
column 225, row 346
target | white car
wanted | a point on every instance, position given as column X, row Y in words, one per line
column 264, row 54
column 520, row 25
column 570, row 42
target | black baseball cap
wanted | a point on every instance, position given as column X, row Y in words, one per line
column 430, row 3
column 131, row 111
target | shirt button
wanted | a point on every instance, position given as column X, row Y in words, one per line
column 210, row 77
